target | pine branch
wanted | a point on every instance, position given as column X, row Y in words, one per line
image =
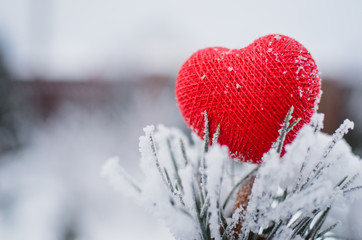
column 328, row 229
column 197, row 199
column 338, row 135
column 274, row 230
column 285, row 129
column 172, row 155
column 183, row 151
column 314, row 231
column 216, row 135
column 206, row 133
column 349, row 182
column 203, row 165
column 155, row 156
column 165, row 176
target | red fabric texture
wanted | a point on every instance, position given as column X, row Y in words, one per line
column 248, row 92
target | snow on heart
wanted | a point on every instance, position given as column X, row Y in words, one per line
column 248, row 92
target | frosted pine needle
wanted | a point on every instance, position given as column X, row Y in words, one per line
column 292, row 197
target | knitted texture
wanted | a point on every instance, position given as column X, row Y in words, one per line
column 248, row 92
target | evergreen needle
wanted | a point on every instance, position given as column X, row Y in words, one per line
column 216, row 135
column 172, row 155
column 203, row 164
column 158, row 166
column 285, row 129
column 183, row 151
column 322, row 233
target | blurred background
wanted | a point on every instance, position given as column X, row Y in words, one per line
column 79, row 79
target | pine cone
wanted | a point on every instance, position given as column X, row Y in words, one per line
column 242, row 197
column 242, row 200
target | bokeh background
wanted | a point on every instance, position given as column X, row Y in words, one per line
column 79, row 79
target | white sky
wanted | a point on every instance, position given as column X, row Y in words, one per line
column 108, row 38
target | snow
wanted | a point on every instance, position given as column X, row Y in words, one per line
column 312, row 150
column 215, row 159
column 156, row 194
column 157, row 197
column 300, row 89
column 299, row 68
column 119, row 178
column 277, row 37
column 310, row 171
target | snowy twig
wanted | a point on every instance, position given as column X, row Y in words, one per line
column 202, row 165
column 216, row 135
column 291, row 195
column 285, row 129
column 338, row 135
column 174, row 164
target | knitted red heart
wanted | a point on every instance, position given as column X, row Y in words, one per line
column 248, row 92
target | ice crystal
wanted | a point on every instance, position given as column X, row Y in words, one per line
column 192, row 186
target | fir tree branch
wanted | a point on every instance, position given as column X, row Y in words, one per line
column 174, row 192
column 165, row 177
column 172, row 155
column 216, row 135
column 297, row 184
column 349, row 182
column 302, row 227
column 183, row 151
column 274, row 230
column 202, row 229
column 203, row 164
column 338, row 135
column 130, row 180
column 352, row 189
column 284, row 130
column 169, row 184
column 305, row 223
column 206, row 133
column 223, row 221
column 314, row 231
column 293, row 125
column 204, row 207
column 342, row 181
column 322, row 233
column 155, row 156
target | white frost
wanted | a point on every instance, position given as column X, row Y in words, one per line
column 309, row 171
column 277, row 37
column 215, row 159
column 119, row 178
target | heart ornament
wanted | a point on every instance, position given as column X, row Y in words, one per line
column 249, row 91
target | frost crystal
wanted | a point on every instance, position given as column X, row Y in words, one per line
column 295, row 196
column 119, row 178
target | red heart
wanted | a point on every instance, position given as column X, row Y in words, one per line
column 248, row 92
